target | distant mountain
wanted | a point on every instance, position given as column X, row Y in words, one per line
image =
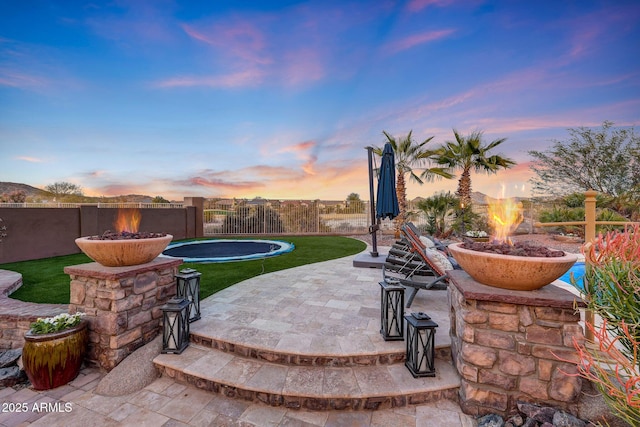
column 39, row 195
column 10, row 187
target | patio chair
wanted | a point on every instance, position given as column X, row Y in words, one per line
column 402, row 263
column 427, row 241
column 424, row 268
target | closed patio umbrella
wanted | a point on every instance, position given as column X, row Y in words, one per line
column 387, row 204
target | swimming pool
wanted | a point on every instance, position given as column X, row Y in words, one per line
column 226, row 250
column 578, row 273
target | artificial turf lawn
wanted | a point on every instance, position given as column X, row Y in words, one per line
column 44, row 280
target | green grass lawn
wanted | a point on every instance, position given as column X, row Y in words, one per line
column 44, row 280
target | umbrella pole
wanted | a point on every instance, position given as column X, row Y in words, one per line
column 373, row 229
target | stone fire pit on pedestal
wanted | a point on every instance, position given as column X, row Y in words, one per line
column 122, row 292
column 522, row 273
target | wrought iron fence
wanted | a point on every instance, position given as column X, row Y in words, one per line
column 290, row 217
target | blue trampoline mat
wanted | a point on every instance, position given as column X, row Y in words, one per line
column 223, row 250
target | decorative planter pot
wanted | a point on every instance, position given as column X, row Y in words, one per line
column 511, row 272
column 52, row 360
column 120, row 253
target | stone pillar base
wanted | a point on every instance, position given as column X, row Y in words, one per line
column 122, row 305
column 511, row 346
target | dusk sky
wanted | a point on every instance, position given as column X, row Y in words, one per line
column 279, row 99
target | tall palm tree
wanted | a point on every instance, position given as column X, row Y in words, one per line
column 466, row 154
column 409, row 155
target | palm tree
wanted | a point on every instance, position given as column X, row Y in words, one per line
column 467, row 153
column 409, row 155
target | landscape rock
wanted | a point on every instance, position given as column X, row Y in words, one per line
column 563, row 419
column 132, row 374
column 542, row 414
column 9, row 357
column 516, row 420
column 491, row 420
column 594, row 408
column 11, row 376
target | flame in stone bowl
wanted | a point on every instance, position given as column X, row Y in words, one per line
column 504, row 217
column 128, row 220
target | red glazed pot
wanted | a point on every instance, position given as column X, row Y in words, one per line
column 52, row 360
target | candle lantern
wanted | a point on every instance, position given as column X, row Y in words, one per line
column 391, row 310
column 188, row 284
column 175, row 325
column 421, row 332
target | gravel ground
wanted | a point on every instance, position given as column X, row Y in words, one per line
column 537, row 239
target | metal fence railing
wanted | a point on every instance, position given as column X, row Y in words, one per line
column 290, row 217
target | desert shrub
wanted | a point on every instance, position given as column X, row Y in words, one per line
column 564, row 214
column 439, row 210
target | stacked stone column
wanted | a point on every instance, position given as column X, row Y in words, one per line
column 122, row 305
column 511, row 346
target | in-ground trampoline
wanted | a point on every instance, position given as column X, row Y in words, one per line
column 225, row 250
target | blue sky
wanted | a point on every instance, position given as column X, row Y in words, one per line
column 279, row 99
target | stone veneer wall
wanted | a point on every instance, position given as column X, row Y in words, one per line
column 123, row 305
column 507, row 346
column 16, row 316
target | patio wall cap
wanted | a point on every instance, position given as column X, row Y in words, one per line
column 99, row 271
column 547, row 296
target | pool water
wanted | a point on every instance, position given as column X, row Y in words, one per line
column 225, row 250
column 578, row 273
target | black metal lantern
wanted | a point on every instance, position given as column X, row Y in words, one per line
column 421, row 351
column 391, row 310
column 188, row 283
column 175, row 325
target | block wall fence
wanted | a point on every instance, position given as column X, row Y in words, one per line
column 34, row 233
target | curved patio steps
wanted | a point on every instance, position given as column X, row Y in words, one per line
column 309, row 337
column 325, row 387
column 288, row 357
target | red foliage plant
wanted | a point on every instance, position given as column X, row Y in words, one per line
column 612, row 291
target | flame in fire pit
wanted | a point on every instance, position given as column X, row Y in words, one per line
column 128, row 220
column 504, row 217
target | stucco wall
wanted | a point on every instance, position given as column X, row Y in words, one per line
column 34, row 233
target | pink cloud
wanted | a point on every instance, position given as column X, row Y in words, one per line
column 117, row 190
column 20, row 80
column 418, row 5
column 30, row 159
column 271, row 172
column 134, row 22
column 309, row 166
column 238, row 79
column 299, row 147
column 240, row 40
column 301, row 66
column 417, row 39
column 220, row 184
column 302, row 152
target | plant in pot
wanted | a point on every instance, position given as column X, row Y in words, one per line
column 612, row 292
column 54, row 349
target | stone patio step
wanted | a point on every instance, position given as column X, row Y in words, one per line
column 286, row 355
column 310, row 387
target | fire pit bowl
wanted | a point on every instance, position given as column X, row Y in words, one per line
column 520, row 273
column 123, row 252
